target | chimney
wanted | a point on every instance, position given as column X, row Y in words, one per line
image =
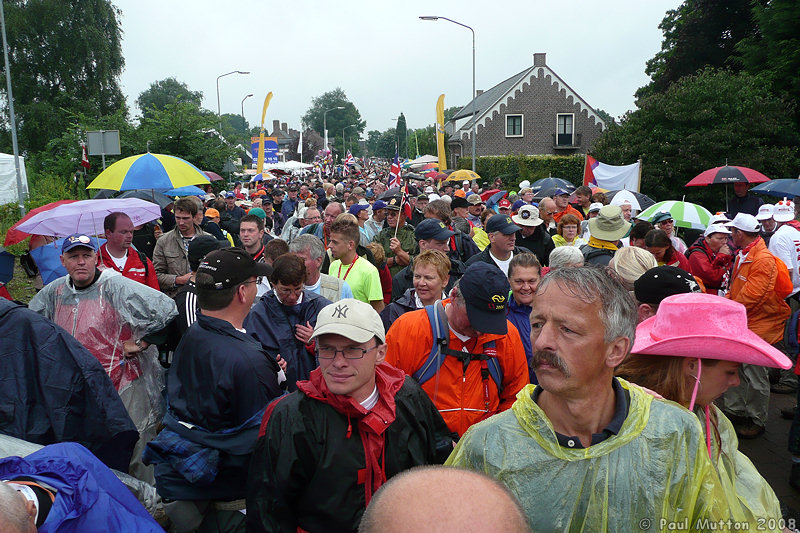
column 539, row 60
column 284, row 127
column 478, row 92
column 276, row 125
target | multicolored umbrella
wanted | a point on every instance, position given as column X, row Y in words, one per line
column 637, row 200
column 727, row 174
column 86, row 216
column 685, row 214
column 213, row 176
column 149, row 171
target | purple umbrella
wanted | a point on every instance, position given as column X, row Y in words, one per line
column 87, row 216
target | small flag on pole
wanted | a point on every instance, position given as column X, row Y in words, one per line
column 84, row 157
column 394, row 172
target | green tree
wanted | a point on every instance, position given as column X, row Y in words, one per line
column 166, row 91
column 387, row 144
column 372, row 141
column 450, row 112
column 65, row 58
column 183, row 129
column 336, row 119
column 699, row 33
column 425, row 138
column 701, row 122
column 603, row 114
column 774, row 50
column 402, row 135
column 235, row 129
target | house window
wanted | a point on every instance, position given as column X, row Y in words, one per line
column 564, row 130
column 513, row 125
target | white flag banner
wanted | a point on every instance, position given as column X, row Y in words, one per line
column 615, row 178
column 300, row 145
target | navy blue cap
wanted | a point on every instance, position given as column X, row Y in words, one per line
column 430, row 228
column 78, row 239
column 501, row 223
column 485, row 290
column 355, row 208
column 379, row 204
column 230, row 195
column 561, row 192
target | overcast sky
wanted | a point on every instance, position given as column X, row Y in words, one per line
column 385, row 59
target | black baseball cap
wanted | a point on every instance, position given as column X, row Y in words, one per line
column 201, row 246
column 485, row 290
column 430, row 228
column 230, row 267
column 501, row 223
column 458, row 201
column 660, row 282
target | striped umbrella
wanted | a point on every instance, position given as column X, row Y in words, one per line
column 685, row 214
column 149, row 171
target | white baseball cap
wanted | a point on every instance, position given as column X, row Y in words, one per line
column 783, row 211
column 719, row 218
column 765, row 212
column 744, row 222
column 350, row 318
column 716, row 228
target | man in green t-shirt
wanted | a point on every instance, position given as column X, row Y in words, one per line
column 359, row 273
column 401, row 246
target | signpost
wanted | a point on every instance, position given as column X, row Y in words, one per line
column 103, row 143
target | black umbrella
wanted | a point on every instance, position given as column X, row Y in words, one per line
column 552, row 183
column 104, row 194
column 157, row 198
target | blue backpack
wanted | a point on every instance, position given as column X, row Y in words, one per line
column 490, row 366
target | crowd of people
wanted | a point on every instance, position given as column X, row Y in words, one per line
column 305, row 353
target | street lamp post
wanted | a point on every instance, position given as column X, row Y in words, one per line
column 244, row 122
column 343, row 129
column 325, row 122
column 219, row 112
column 474, row 129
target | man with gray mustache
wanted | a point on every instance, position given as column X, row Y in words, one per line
column 583, row 450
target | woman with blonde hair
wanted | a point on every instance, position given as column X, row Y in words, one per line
column 690, row 353
column 431, row 276
column 630, row 262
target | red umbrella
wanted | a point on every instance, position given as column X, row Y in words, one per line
column 485, row 195
column 726, row 174
column 14, row 235
column 213, row 176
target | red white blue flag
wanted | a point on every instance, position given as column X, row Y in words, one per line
column 394, row 173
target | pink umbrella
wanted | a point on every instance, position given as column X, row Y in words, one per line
column 86, row 216
column 14, row 235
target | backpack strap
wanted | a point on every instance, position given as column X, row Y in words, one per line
column 143, row 259
column 490, row 366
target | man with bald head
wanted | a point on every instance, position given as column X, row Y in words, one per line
column 414, row 501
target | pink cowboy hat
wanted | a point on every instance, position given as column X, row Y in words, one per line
column 707, row 327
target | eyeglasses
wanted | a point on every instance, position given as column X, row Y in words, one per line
column 551, row 212
column 257, row 281
column 351, row 352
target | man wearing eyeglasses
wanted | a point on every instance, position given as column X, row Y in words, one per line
column 283, row 320
column 219, row 384
column 324, row 450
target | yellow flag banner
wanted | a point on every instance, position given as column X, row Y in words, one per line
column 260, row 167
column 440, row 134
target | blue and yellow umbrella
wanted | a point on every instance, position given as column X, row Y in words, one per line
column 149, row 171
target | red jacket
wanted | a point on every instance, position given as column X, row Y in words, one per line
column 456, row 392
column 708, row 266
column 677, row 259
column 134, row 268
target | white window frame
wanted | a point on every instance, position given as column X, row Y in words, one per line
column 522, row 124
column 559, row 115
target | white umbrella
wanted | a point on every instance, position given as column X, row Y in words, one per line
column 685, row 214
column 626, row 197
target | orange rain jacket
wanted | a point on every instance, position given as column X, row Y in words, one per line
column 758, row 283
column 457, row 393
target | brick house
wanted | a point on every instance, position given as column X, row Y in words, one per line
column 533, row 112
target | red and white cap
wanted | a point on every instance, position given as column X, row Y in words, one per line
column 784, row 211
column 765, row 212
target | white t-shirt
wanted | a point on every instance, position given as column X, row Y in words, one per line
column 785, row 245
column 502, row 264
column 118, row 261
column 371, row 400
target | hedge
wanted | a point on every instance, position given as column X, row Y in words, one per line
column 514, row 168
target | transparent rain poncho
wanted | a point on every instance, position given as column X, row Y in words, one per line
column 655, row 475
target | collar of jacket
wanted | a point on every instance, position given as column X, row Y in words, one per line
column 223, row 327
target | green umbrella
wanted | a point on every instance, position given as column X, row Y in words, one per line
column 685, row 214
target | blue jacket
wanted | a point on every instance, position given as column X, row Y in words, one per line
column 273, row 325
column 219, row 379
column 520, row 316
column 54, row 390
column 89, row 497
column 288, row 207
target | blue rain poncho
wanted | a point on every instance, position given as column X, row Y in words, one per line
column 654, row 475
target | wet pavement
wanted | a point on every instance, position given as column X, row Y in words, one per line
column 770, row 455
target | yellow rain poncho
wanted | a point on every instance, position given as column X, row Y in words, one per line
column 655, row 475
column 743, row 485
